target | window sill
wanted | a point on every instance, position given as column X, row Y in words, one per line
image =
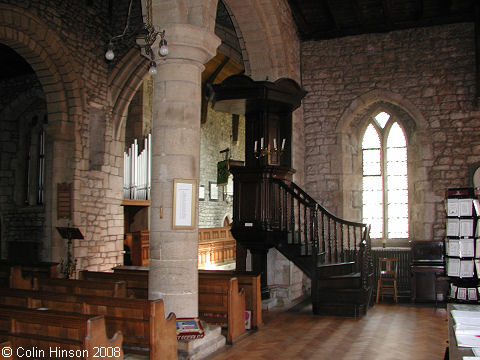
column 392, row 243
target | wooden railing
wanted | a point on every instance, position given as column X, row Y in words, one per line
column 324, row 236
column 216, row 246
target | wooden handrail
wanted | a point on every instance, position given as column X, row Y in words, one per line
column 318, row 231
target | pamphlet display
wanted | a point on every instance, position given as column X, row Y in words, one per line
column 462, row 244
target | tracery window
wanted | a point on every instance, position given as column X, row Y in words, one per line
column 385, row 178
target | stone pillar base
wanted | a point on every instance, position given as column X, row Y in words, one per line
column 201, row 348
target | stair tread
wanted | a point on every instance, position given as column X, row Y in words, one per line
column 335, row 264
column 345, row 290
column 345, row 276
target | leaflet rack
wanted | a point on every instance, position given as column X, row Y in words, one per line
column 462, row 244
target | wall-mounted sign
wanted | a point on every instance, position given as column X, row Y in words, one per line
column 184, row 204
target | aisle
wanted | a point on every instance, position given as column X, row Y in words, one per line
column 388, row 332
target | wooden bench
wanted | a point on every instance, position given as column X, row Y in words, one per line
column 220, row 302
column 137, row 286
column 130, row 269
column 142, row 322
column 51, row 334
column 70, row 286
column 217, row 298
column 250, row 281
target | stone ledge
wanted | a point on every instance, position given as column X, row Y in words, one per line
column 200, row 348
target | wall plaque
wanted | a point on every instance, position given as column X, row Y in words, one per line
column 64, row 201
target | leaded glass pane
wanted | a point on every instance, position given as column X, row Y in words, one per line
column 396, row 137
column 371, row 162
column 382, row 119
column 371, row 140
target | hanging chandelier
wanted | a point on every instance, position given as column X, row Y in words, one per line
column 146, row 38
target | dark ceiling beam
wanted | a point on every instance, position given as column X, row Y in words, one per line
column 297, row 14
column 328, row 12
column 358, row 13
column 477, row 48
column 387, row 12
column 444, row 6
column 419, row 9
column 397, row 25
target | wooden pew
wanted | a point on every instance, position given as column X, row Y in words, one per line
column 129, row 269
column 215, row 297
column 137, row 286
column 220, row 302
column 52, row 334
column 142, row 322
column 71, row 286
column 250, row 281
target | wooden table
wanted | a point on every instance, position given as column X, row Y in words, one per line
column 455, row 352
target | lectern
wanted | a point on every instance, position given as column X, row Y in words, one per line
column 69, row 233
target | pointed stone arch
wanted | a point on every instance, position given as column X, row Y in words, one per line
column 43, row 49
column 350, row 129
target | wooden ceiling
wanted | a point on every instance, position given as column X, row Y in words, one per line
column 219, row 68
column 327, row 19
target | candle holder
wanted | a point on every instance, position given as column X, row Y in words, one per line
column 266, row 151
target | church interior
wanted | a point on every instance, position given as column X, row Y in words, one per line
column 238, row 179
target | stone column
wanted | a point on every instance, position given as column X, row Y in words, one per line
column 176, row 154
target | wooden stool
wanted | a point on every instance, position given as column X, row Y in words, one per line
column 387, row 277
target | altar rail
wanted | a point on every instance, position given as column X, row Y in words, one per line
column 216, row 246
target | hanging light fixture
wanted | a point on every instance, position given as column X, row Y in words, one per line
column 152, row 70
column 145, row 39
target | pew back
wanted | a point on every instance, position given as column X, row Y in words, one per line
column 142, row 322
column 250, row 281
column 137, row 285
column 63, row 333
column 220, row 302
column 82, row 287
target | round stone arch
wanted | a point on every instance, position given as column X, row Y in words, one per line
column 123, row 82
column 41, row 47
column 350, row 129
column 269, row 33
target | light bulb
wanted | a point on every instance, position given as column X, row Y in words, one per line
column 163, row 48
column 109, row 55
column 153, row 68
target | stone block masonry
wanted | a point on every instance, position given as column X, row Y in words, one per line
column 427, row 76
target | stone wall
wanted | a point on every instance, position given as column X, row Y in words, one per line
column 216, row 135
column 24, row 233
column 426, row 77
column 81, row 141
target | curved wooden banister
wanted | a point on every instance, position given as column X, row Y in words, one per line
column 318, row 232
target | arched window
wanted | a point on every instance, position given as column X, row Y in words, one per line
column 385, row 178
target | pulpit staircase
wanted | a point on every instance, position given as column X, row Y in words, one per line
column 334, row 253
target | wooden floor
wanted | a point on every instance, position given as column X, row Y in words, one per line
column 388, row 332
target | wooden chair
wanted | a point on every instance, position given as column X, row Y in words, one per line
column 387, row 277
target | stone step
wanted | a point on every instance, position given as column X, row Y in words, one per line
column 200, row 348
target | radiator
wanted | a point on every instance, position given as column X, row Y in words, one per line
column 404, row 260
